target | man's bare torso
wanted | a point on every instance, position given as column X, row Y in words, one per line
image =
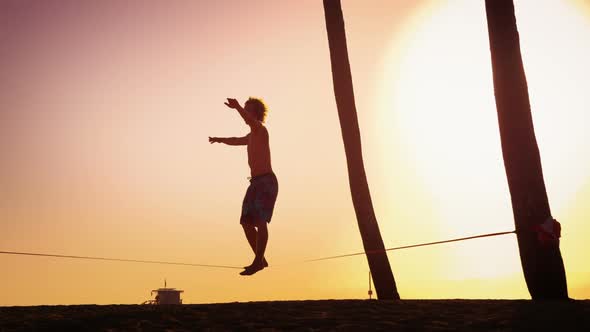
column 259, row 151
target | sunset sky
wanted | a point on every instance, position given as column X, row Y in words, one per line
column 106, row 106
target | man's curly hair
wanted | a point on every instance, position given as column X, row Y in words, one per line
column 259, row 107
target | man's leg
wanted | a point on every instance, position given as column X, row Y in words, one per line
column 251, row 236
column 250, row 232
column 261, row 241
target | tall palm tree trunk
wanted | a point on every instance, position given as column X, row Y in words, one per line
column 541, row 262
column 361, row 198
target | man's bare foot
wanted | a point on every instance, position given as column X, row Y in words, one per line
column 264, row 264
column 250, row 270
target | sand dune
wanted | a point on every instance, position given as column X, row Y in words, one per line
column 339, row 315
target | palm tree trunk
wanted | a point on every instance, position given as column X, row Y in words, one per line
column 361, row 197
column 541, row 262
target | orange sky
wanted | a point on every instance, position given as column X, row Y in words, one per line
column 106, row 110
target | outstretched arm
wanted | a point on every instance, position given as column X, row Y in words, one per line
column 249, row 118
column 230, row 140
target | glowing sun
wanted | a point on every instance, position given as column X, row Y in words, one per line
column 436, row 98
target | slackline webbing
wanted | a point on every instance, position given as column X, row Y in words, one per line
column 371, row 252
column 236, row 267
column 118, row 259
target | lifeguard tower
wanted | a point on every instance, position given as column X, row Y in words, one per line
column 165, row 296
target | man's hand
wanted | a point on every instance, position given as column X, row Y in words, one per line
column 232, row 103
column 248, row 117
column 214, row 140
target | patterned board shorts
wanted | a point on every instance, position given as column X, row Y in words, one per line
column 259, row 201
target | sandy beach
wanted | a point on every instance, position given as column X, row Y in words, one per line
column 325, row 315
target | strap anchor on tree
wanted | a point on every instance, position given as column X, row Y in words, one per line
column 549, row 232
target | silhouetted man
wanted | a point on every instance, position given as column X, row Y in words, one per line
column 259, row 201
